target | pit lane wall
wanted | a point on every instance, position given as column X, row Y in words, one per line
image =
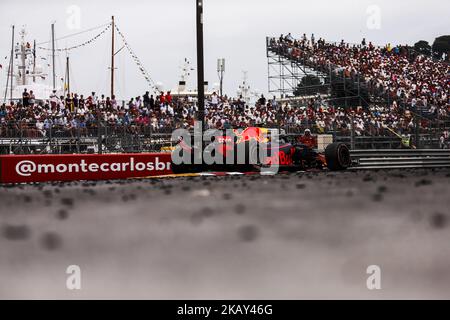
column 47, row 168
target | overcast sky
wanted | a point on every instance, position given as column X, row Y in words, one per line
column 162, row 33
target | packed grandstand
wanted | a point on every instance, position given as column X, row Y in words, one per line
column 412, row 83
column 418, row 80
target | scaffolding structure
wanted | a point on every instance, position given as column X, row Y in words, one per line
column 286, row 78
column 285, row 75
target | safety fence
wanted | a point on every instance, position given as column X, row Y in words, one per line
column 95, row 138
column 400, row 159
column 112, row 138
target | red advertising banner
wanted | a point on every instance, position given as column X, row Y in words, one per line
column 44, row 168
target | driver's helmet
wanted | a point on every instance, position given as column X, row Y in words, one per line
column 307, row 132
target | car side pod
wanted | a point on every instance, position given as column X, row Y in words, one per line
column 338, row 157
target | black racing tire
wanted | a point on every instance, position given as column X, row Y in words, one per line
column 186, row 168
column 338, row 157
column 252, row 154
column 178, row 169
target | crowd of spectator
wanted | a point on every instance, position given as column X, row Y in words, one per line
column 416, row 80
column 396, row 72
column 75, row 115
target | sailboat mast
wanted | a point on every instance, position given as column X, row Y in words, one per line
column 112, row 57
column 23, row 68
column 53, row 56
column 68, row 75
column 12, row 61
column 10, row 69
column 34, row 61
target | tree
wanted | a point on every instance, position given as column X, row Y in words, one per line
column 441, row 46
column 349, row 92
column 423, row 47
column 309, row 85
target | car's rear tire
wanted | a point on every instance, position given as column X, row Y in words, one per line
column 338, row 157
column 186, row 168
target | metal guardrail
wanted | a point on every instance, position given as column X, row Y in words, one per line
column 400, row 159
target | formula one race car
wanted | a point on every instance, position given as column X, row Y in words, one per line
column 241, row 150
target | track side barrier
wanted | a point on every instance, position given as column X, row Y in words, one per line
column 47, row 168
column 400, row 159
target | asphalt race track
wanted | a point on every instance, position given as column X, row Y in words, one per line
column 291, row 236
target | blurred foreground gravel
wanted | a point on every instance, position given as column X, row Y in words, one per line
column 294, row 236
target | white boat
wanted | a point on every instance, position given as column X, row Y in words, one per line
column 27, row 73
column 182, row 89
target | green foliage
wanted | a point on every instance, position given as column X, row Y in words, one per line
column 423, row 47
column 309, row 85
column 441, row 45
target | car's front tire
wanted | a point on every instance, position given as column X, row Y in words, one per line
column 338, row 157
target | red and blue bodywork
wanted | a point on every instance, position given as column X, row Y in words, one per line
column 290, row 153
